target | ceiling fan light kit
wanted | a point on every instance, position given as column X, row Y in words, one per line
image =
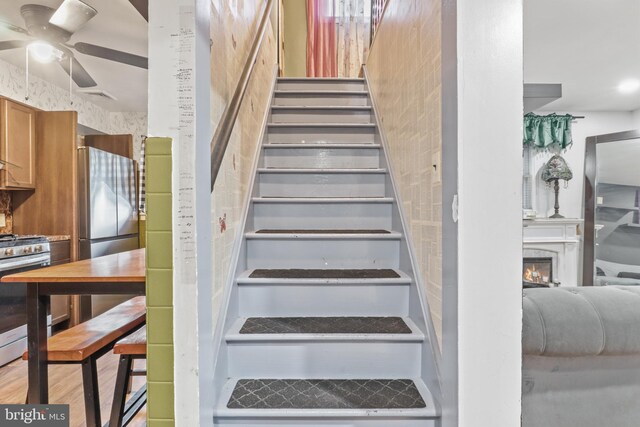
column 53, row 28
column 44, row 52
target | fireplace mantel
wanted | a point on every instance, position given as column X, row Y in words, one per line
column 561, row 237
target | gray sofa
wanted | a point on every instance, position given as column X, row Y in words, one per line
column 581, row 357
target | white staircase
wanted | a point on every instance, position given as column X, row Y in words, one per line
column 324, row 324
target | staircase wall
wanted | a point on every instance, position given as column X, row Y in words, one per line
column 405, row 80
column 233, row 26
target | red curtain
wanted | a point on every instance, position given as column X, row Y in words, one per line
column 322, row 60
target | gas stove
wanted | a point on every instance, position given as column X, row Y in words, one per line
column 12, row 245
column 17, row 254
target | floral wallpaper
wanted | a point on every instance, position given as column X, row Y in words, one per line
column 48, row 97
column 233, row 25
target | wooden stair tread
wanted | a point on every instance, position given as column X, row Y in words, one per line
column 298, row 273
column 325, row 325
column 323, row 231
column 136, row 343
column 325, row 394
column 83, row 340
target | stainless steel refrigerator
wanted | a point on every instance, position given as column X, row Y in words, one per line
column 108, row 217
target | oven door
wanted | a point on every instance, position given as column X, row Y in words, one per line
column 13, row 296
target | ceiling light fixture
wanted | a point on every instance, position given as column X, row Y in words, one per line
column 629, row 86
column 44, row 52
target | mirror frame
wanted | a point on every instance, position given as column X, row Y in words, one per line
column 590, row 170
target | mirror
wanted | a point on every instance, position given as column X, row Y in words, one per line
column 612, row 210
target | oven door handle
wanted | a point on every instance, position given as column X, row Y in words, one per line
column 43, row 260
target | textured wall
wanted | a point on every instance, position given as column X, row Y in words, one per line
column 48, row 97
column 295, row 38
column 233, row 27
column 404, row 68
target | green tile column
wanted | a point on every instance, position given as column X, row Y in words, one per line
column 160, row 394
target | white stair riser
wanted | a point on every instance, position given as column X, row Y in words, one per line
column 323, row 300
column 301, row 100
column 301, row 135
column 317, row 84
column 324, row 359
column 321, row 158
column 321, row 116
column 300, row 216
column 299, row 253
column 321, row 185
column 333, row 421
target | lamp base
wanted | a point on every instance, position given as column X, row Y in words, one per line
column 556, row 215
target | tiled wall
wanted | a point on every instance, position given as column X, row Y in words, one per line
column 404, row 68
column 5, row 208
column 233, row 27
column 160, row 408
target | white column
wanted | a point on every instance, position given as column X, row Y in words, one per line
column 490, row 108
column 179, row 76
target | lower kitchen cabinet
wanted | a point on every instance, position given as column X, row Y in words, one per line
column 60, row 304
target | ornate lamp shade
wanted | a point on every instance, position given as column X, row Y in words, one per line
column 555, row 170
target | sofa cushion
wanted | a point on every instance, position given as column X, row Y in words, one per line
column 585, row 321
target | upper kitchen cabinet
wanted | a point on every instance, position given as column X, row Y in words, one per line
column 17, row 146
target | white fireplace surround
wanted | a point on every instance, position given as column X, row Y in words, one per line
column 559, row 239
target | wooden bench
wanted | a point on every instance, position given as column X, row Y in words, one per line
column 130, row 348
column 88, row 341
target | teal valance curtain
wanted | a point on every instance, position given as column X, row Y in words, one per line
column 547, row 132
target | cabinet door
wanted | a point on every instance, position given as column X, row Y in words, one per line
column 18, row 146
column 60, row 304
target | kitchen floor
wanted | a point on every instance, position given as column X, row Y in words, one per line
column 65, row 386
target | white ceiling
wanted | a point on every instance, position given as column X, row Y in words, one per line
column 117, row 26
column 589, row 46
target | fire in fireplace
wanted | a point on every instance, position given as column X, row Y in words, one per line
column 537, row 271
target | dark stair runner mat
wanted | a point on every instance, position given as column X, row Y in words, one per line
column 325, row 325
column 325, row 394
column 297, row 273
column 324, row 231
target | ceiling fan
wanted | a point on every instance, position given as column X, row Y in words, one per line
column 52, row 29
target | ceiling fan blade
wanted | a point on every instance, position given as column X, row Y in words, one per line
column 13, row 44
column 12, row 27
column 112, row 55
column 80, row 76
column 72, row 15
column 142, row 6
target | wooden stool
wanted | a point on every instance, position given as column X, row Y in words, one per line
column 130, row 348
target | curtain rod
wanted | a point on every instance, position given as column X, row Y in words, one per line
column 575, row 117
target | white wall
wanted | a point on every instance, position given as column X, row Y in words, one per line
column 179, row 108
column 490, row 106
column 571, row 198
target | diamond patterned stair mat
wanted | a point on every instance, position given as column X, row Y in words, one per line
column 325, row 325
column 325, row 394
column 323, row 274
column 323, row 231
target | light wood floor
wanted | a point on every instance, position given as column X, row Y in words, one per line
column 65, row 386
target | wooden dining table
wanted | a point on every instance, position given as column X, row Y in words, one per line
column 117, row 274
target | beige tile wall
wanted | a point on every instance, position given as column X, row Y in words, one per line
column 404, row 68
column 233, row 27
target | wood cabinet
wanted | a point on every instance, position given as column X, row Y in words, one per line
column 60, row 304
column 52, row 208
column 17, row 146
column 122, row 145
